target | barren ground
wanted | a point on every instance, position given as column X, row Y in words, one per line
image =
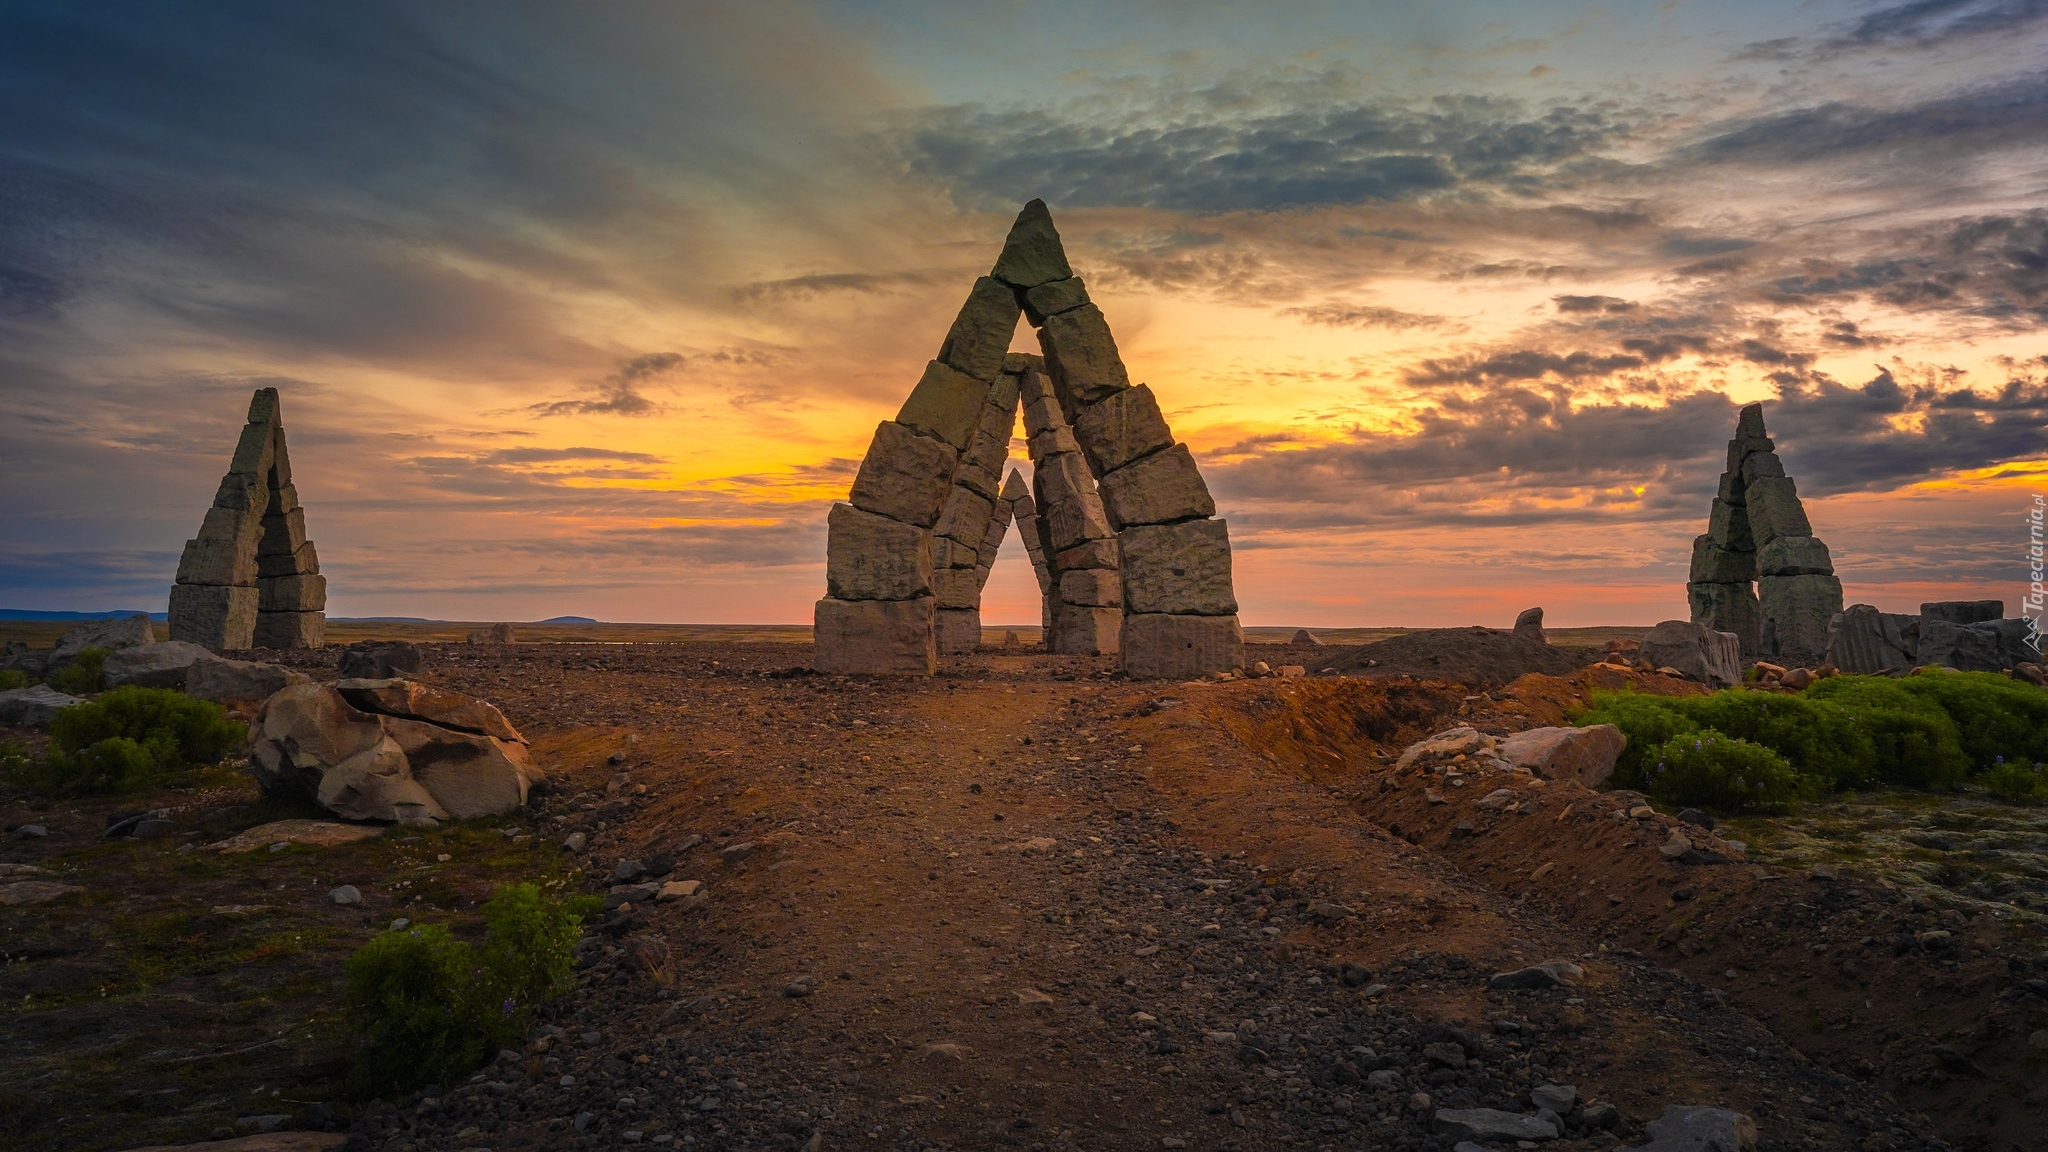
column 989, row 876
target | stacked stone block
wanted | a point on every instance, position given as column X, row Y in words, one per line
column 1758, row 531
column 1023, row 512
column 251, row 578
column 1084, row 597
column 961, row 551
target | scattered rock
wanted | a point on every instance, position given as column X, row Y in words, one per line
column 1695, row 651
column 1454, row 742
column 678, row 890
column 1559, row 1098
column 345, row 895
column 35, row 892
column 31, row 832
column 1529, row 625
column 1586, row 755
column 734, row 853
column 381, row 659
column 628, row 871
column 262, row 1142
column 495, row 634
column 1699, row 1129
column 1491, row 1124
column 1675, row 847
column 311, row 833
column 238, row 681
column 575, row 842
column 34, row 706
column 1549, row 974
column 153, row 665
column 800, row 987
column 110, row 635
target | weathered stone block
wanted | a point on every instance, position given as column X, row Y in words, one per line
column 872, row 557
column 1181, row 569
column 946, row 404
column 1032, row 253
column 1796, row 611
column 975, row 478
column 1774, row 510
column 1157, row 646
column 1761, row 466
column 283, row 499
column 958, row 630
column 292, row 593
column 1732, row 488
column 1041, row 416
column 956, row 588
column 1728, row 527
column 1749, row 422
column 982, row 332
column 1698, row 652
column 1121, row 429
column 1079, row 630
column 1061, row 479
column 1092, row 588
column 1713, row 564
column 945, row 554
column 303, row 562
column 1018, row 363
column 152, row 665
column 1053, row 298
column 904, row 476
column 1081, row 358
column 1529, row 626
column 242, row 491
column 283, row 535
column 212, row 615
column 255, row 452
column 1984, row 646
column 1054, row 442
column 239, row 524
column 1795, row 556
column 1101, row 553
column 965, row 517
column 874, row 637
column 1071, row 522
column 1963, row 611
column 217, row 562
column 1730, row 608
column 289, row 630
column 1157, row 489
column 1863, row 641
column 999, row 411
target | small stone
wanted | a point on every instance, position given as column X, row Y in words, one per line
column 1446, row 1054
column 1683, row 1127
column 1419, row 1102
column 1821, row 872
column 2038, row 1039
column 268, row 1122
column 31, row 832
column 575, row 842
column 1491, row 1124
column 678, row 890
column 628, row 871
column 800, row 987
column 346, row 894
column 400, row 924
column 1675, row 847
column 1549, row 974
column 1383, row 1079
column 734, row 853
column 1559, row 1098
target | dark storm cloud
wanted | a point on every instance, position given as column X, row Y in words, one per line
column 1225, row 160
column 1332, row 314
column 2009, row 112
column 825, row 283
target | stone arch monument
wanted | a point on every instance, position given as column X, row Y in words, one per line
column 251, row 579
column 1130, row 555
column 1758, row 540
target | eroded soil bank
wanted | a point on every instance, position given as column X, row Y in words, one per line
column 1034, row 906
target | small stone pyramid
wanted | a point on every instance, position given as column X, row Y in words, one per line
column 1758, row 532
column 251, row 579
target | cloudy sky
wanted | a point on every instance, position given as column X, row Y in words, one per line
column 592, row 308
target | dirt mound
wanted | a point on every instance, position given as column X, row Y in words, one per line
column 1480, row 657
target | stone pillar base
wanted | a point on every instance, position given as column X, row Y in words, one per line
column 214, row 616
column 1157, row 646
column 875, row 637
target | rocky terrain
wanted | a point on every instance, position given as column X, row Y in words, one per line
column 1026, row 904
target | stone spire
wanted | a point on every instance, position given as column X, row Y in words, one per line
column 1758, row 531
column 251, row 579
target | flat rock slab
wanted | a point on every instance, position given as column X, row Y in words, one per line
column 35, row 892
column 312, row 833
column 1492, row 1124
column 263, row 1142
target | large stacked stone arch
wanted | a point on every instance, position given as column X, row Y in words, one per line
column 251, row 578
column 1130, row 555
column 1758, row 539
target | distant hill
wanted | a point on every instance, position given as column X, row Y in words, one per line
column 382, row 620
column 30, row 614
column 567, row 620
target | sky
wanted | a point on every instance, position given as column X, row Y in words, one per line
column 592, row 309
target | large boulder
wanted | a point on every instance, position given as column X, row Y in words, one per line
column 1685, row 1128
column 34, row 662
column 1586, row 755
column 1963, row 611
column 226, row 681
column 1529, row 625
column 111, row 635
column 1696, row 651
column 34, row 706
column 380, row 659
column 1987, row 646
column 1304, row 636
column 153, row 665
column 391, row 750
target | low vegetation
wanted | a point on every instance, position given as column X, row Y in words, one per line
column 1744, row 749
column 428, row 1008
column 126, row 740
column 84, row 675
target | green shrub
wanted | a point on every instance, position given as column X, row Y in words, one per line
column 429, row 1008
column 1914, row 742
column 1818, row 739
column 1708, row 769
column 14, row 678
column 85, row 674
column 128, row 739
column 1995, row 718
column 1648, row 722
column 2017, row 783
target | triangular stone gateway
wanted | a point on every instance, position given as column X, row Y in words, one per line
column 1758, row 532
column 251, row 579
column 1130, row 555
